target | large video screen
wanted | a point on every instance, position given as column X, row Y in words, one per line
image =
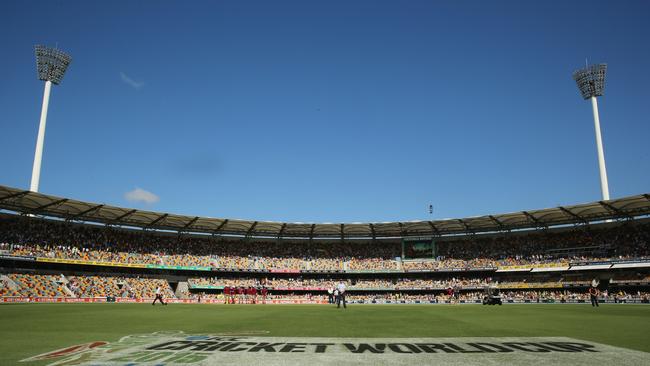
column 418, row 248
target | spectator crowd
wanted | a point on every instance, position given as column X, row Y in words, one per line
column 40, row 285
column 59, row 240
column 323, row 284
column 466, row 290
column 32, row 237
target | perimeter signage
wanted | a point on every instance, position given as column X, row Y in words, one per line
column 178, row 348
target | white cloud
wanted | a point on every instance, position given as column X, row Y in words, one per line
column 127, row 80
column 140, row 195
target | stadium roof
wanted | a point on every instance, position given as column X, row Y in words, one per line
column 32, row 203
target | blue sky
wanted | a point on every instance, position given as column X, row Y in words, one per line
column 332, row 111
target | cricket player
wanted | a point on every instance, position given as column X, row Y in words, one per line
column 158, row 297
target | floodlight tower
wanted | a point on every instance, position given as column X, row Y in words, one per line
column 591, row 82
column 51, row 64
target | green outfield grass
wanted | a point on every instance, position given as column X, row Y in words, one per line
column 31, row 329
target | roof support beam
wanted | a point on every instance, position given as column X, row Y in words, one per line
column 579, row 218
column 532, row 218
column 85, row 212
column 342, row 231
column 311, row 231
column 223, row 223
column 434, row 228
column 121, row 217
column 250, row 229
column 613, row 209
column 186, row 226
column 372, row 230
column 282, row 229
column 39, row 208
column 496, row 221
column 401, row 229
column 467, row 228
column 154, row 222
column 19, row 194
column 566, row 211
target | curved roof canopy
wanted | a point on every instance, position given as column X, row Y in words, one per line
column 26, row 202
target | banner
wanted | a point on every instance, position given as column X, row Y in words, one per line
column 529, row 285
column 284, row 270
column 181, row 268
column 531, row 266
column 17, row 257
column 90, row 263
column 206, row 287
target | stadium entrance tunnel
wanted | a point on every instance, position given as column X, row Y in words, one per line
column 167, row 348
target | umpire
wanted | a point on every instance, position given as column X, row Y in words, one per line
column 341, row 296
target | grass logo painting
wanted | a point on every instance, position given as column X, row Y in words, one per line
column 178, row 348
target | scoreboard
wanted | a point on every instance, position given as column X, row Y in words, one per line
column 419, row 247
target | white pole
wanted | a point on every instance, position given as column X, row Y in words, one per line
column 604, row 186
column 38, row 155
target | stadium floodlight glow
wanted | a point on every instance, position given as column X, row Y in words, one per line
column 51, row 65
column 591, row 82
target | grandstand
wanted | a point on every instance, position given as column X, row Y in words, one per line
column 62, row 250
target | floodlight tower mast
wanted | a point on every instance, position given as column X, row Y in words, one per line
column 591, row 82
column 51, row 64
